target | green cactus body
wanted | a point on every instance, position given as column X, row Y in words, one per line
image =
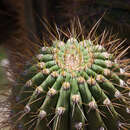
column 74, row 86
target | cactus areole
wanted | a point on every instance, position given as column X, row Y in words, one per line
column 73, row 86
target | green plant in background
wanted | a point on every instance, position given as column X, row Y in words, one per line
column 3, row 80
column 73, row 85
column 4, row 87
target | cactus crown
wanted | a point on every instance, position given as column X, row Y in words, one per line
column 74, row 85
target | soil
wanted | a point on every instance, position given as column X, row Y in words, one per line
column 4, row 109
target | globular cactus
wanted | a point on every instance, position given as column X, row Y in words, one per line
column 77, row 85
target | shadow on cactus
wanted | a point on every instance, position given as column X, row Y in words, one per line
column 77, row 83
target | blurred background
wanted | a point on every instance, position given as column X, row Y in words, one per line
column 25, row 21
column 4, row 87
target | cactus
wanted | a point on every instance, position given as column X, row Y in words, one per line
column 75, row 85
